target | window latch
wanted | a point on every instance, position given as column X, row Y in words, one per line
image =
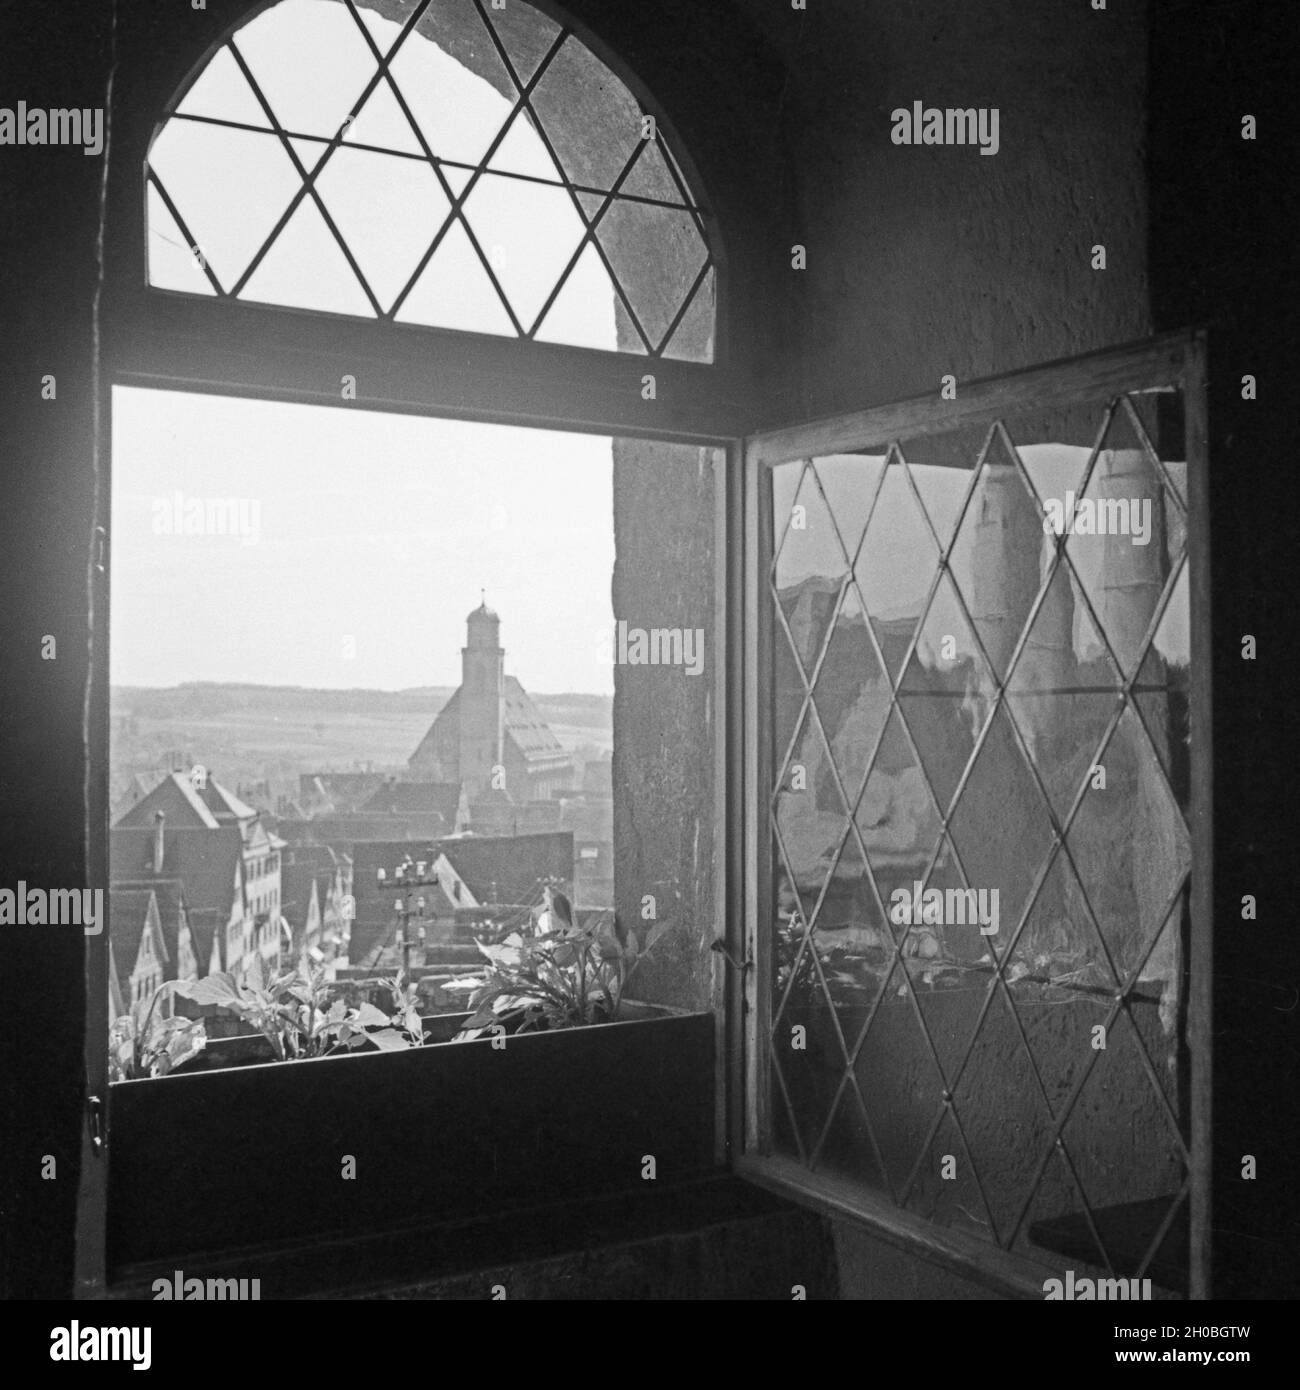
column 95, row 1107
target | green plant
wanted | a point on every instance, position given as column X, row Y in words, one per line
column 404, row 1017
column 565, row 978
column 292, row 1012
column 149, row 1046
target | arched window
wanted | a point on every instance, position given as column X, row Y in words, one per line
column 430, row 215
column 453, row 165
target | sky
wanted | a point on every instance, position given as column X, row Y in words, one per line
column 376, row 527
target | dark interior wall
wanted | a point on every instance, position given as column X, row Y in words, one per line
column 931, row 260
column 1225, row 253
column 48, row 199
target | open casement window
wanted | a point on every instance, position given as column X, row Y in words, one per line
column 977, row 819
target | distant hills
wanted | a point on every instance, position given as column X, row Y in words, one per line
column 253, row 733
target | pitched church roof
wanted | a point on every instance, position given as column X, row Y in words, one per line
column 523, row 721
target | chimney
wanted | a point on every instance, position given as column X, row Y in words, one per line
column 159, row 820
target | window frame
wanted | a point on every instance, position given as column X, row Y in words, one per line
column 163, row 340
column 1171, row 360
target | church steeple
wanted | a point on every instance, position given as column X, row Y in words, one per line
column 482, row 699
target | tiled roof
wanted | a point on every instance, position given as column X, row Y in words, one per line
column 417, row 798
column 130, row 916
column 170, row 896
column 523, row 724
column 510, row 869
column 344, row 791
column 488, row 816
column 223, row 803
column 206, row 862
column 205, row 924
column 345, row 830
column 179, row 802
column 526, row 726
column 323, row 860
column 589, row 818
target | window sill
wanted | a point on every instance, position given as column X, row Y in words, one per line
column 375, row 1264
column 1012, row 1275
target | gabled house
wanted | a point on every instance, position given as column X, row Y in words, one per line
column 315, row 880
column 140, row 785
column 227, row 860
column 140, row 956
column 183, row 960
column 209, row 863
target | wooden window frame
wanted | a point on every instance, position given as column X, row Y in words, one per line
column 1174, row 360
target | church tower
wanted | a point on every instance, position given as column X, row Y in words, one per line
column 482, row 700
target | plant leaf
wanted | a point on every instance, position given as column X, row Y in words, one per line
column 219, row 988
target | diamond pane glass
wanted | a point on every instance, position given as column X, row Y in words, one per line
column 611, row 107
column 173, row 263
column 990, row 963
column 198, row 164
column 385, row 228
column 470, row 147
column 332, row 63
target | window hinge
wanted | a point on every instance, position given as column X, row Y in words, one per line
column 720, row 946
column 95, row 1109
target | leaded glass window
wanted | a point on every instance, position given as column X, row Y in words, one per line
column 974, row 894
column 449, row 164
